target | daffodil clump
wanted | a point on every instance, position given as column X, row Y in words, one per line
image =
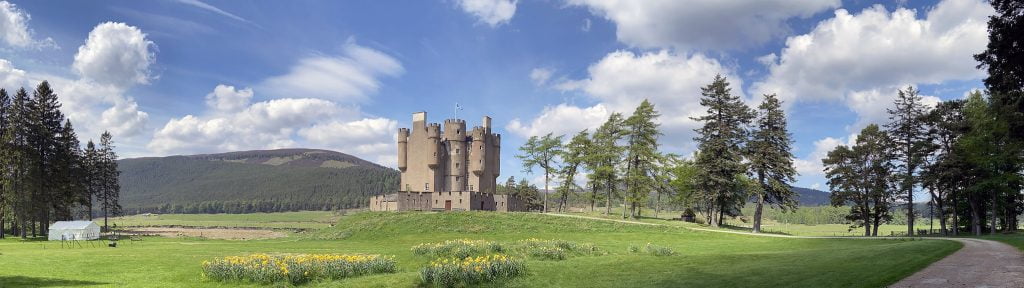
column 460, row 248
column 553, row 249
column 451, row 272
column 653, row 250
column 295, row 269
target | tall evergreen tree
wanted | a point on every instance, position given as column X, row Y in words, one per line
column 606, row 156
column 542, row 152
column 642, row 155
column 573, row 157
column 5, row 210
column 771, row 161
column 109, row 195
column 720, row 144
column 91, row 163
column 945, row 169
column 859, row 176
column 16, row 159
column 909, row 141
column 1004, row 53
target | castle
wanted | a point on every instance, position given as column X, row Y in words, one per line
column 453, row 169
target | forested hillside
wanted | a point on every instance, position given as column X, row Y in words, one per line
column 251, row 181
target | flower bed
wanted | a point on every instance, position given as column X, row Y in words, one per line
column 460, row 248
column 451, row 272
column 295, row 269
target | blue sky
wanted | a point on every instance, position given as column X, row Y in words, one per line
column 189, row 76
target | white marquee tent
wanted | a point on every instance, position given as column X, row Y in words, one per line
column 74, row 230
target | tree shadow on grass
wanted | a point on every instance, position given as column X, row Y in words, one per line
column 26, row 281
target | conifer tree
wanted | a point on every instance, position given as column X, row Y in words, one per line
column 606, row 156
column 909, row 140
column 860, row 176
column 720, row 144
column 91, row 163
column 542, row 152
column 5, row 210
column 110, row 188
column 642, row 155
column 16, row 160
column 771, row 161
column 573, row 157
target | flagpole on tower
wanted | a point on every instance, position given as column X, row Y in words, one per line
column 457, row 108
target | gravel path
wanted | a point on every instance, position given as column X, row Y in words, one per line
column 980, row 263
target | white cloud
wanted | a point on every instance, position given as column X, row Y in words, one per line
column 14, row 30
column 227, row 99
column 492, row 12
column 811, row 165
column 701, row 24
column 871, row 105
column 11, row 77
column 269, row 124
column 124, row 118
column 877, row 49
column 214, row 9
column 540, row 76
column 672, row 82
column 116, row 54
column 367, row 136
column 562, row 119
column 349, row 77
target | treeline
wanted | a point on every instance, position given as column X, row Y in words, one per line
column 197, row 184
column 967, row 154
column 45, row 175
column 744, row 154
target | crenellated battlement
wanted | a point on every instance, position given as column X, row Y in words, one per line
column 447, row 157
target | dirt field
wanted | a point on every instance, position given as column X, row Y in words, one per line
column 211, row 233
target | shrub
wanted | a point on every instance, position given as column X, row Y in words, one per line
column 633, row 248
column 552, row 249
column 295, row 269
column 451, row 272
column 659, row 250
column 460, row 248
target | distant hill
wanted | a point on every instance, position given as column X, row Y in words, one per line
column 251, row 181
column 811, row 197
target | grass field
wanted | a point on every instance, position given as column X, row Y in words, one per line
column 300, row 220
column 703, row 259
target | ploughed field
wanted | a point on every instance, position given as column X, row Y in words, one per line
column 618, row 254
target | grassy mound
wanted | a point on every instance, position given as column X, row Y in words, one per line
column 386, row 224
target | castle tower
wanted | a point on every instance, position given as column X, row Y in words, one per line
column 455, row 142
column 403, row 149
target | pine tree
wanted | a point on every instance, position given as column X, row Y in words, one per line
column 771, row 161
column 720, row 145
column 17, row 162
column 945, row 167
column 606, row 156
column 909, row 140
column 542, row 152
column 642, row 155
column 110, row 187
column 45, row 126
column 859, row 176
column 573, row 156
column 91, row 163
column 1005, row 51
column 5, row 103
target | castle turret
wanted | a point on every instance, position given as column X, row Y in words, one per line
column 496, row 159
column 455, row 140
column 433, row 144
column 476, row 159
column 403, row 149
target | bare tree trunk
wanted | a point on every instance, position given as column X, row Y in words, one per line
column 757, row 213
column 545, row 193
column 956, row 222
column 992, row 231
column 975, row 216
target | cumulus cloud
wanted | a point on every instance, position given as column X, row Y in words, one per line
column 349, row 77
column 540, row 76
column 492, row 12
column 811, row 164
column 872, row 105
column 268, row 124
column 367, row 136
column 878, row 49
column 672, row 82
column 14, row 30
column 562, row 119
column 701, row 24
column 116, row 54
column 227, row 99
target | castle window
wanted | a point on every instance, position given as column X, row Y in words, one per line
column 470, row 187
column 426, row 186
column 456, row 164
column 460, row 200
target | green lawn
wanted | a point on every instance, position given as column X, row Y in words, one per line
column 1015, row 239
column 301, row 219
column 704, row 259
